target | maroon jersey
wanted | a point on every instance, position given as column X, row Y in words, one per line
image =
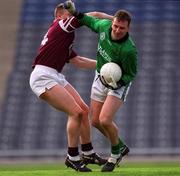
column 56, row 47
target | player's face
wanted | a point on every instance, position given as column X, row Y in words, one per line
column 63, row 14
column 119, row 29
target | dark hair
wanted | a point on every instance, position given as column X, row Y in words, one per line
column 123, row 15
column 58, row 8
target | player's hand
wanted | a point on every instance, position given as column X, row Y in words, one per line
column 109, row 84
column 70, row 6
column 119, row 85
column 112, row 84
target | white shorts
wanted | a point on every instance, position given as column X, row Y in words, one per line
column 43, row 77
column 99, row 92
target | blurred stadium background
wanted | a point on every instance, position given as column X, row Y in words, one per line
column 149, row 122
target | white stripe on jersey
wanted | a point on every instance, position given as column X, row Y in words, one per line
column 65, row 24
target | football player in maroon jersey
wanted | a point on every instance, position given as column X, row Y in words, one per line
column 48, row 83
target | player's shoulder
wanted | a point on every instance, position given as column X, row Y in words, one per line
column 106, row 22
column 69, row 24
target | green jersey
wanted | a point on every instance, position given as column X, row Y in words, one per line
column 122, row 52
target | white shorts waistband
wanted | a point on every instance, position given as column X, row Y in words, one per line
column 46, row 69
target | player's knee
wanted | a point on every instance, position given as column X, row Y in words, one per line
column 80, row 113
column 85, row 109
column 104, row 122
column 85, row 112
column 77, row 113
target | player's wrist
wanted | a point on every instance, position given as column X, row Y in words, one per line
column 121, row 82
column 79, row 15
column 70, row 6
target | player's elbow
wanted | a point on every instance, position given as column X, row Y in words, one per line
column 76, row 61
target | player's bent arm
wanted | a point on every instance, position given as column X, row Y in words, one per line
column 91, row 22
column 100, row 15
column 130, row 67
column 70, row 6
column 83, row 62
column 84, row 19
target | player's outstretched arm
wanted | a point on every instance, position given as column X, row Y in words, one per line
column 83, row 62
column 100, row 15
column 70, row 6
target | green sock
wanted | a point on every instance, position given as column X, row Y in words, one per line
column 121, row 144
column 115, row 149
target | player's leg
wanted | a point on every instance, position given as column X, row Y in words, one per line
column 61, row 99
column 98, row 96
column 89, row 156
column 85, row 124
column 49, row 85
column 118, row 148
column 95, row 109
column 110, row 107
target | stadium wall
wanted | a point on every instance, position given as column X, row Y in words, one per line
column 9, row 20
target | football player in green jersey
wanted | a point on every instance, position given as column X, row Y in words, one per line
column 114, row 45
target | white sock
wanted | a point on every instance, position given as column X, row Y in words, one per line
column 74, row 158
column 88, row 152
column 113, row 158
column 116, row 156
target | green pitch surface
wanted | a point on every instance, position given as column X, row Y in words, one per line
column 125, row 169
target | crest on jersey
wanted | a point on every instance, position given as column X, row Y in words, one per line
column 102, row 35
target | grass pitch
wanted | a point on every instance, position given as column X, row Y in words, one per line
column 125, row 169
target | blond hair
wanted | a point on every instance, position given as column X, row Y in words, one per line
column 58, row 9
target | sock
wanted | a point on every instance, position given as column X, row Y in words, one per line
column 121, row 144
column 115, row 149
column 74, row 158
column 87, row 149
column 73, row 153
column 115, row 156
column 112, row 160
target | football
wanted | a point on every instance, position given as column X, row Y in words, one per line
column 110, row 74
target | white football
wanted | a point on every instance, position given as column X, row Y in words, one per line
column 111, row 73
